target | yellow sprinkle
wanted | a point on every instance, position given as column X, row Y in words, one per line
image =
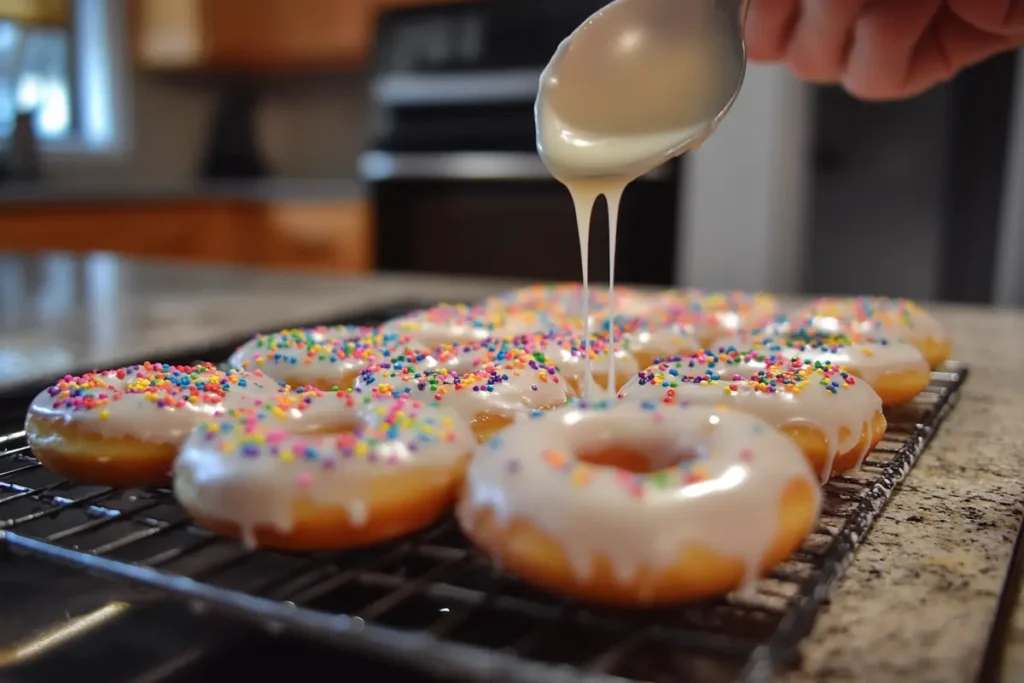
column 104, row 414
column 580, row 476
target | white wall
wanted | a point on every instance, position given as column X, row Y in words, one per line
column 745, row 191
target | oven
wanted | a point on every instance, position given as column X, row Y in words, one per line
column 452, row 166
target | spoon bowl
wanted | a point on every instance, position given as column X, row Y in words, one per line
column 640, row 82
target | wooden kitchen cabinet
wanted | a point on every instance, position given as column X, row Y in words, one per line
column 334, row 235
column 257, row 35
column 252, row 35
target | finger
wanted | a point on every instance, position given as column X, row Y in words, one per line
column 822, row 39
column 770, row 25
column 886, row 38
column 962, row 43
column 998, row 17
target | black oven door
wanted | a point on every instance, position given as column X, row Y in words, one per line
column 501, row 214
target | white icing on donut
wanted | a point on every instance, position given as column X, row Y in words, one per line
column 516, row 382
column 875, row 316
column 320, row 354
column 641, row 337
column 727, row 497
column 448, row 324
column 567, row 300
column 785, row 393
column 709, row 315
column 868, row 358
column 251, row 467
column 577, row 362
column 151, row 402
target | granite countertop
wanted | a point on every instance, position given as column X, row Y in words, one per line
column 919, row 600
column 257, row 190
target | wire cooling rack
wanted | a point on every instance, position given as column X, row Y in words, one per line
column 432, row 602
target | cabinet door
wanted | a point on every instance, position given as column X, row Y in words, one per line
column 168, row 33
column 252, row 35
column 277, row 35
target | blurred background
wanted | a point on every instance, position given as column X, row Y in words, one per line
column 348, row 136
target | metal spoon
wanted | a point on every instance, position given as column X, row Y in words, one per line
column 657, row 74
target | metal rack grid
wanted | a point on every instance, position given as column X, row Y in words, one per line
column 432, row 602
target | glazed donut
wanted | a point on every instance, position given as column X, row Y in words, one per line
column 568, row 300
column 646, row 342
column 489, row 397
column 835, row 419
column 711, row 315
column 881, row 317
column 323, row 471
column 579, row 361
column 444, row 324
column 124, row 427
column 328, row 358
column 896, row 370
column 639, row 504
column 639, row 341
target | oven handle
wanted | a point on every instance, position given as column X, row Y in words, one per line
column 378, row 166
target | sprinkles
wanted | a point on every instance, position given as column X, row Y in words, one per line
column 164, row 386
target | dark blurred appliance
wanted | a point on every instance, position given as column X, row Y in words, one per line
column 922, row 197
column 452, row 166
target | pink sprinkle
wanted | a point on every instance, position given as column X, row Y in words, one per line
column 304, row 480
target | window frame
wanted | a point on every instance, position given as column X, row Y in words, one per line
column 100, row 76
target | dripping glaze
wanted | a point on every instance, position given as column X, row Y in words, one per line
column 634, row 86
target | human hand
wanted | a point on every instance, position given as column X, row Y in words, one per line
column 882, row 49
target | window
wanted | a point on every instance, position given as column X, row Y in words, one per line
column 35, row 63
column 59, row 69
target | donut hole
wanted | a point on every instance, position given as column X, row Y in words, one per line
column 638, row 460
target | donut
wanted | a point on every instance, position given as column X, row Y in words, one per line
column 711, row 315
column 568, row 300
column 316, row 470
column 835, row 419
column 324, row 357
column 123, row 427
column 490, row 396
column 646, row 341
column 896, row 370
column 448, row 324
column 639, row 504
column 639, row 341
column 582, row 361
column 883, row 317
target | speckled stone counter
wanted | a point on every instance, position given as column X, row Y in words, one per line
column 919, row 600
column 915, row 606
